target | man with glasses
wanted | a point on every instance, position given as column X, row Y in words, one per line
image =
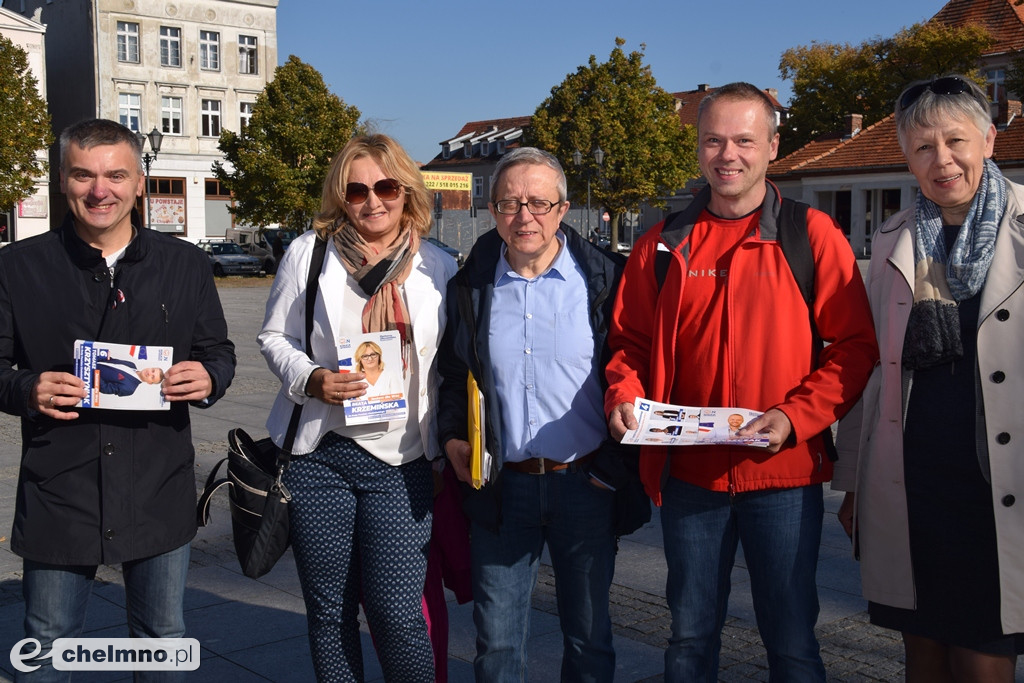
column 725, row 324
column 527, row 316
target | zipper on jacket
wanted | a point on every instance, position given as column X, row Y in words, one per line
column 163, row 307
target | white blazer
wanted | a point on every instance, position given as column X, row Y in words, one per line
column 282, row 338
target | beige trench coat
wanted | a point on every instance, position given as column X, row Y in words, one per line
column 871, row 436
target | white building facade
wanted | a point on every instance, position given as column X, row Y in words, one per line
column 31, row 215
column 187, row 68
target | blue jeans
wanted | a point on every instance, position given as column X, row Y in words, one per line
column 780, row 530
column 574, row 518
column 56, row 597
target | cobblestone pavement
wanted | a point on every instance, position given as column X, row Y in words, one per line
column 852, row 649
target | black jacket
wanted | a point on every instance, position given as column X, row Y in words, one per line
column 465, row 348
column 112, row 485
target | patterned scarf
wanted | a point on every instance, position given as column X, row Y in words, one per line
column 942, row 280
column 379, row 276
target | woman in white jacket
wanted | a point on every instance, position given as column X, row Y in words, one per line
column 935, row 450
column 362, row 495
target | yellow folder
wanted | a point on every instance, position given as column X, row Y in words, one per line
column 480, row 459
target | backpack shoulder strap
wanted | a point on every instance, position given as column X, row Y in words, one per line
column 796, row 247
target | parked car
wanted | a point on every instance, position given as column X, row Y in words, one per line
column 266, row 244
column 228, row 258
column 456, row 254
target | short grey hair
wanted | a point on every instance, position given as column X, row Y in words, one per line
column 931, row 109
column 528, row 155
column 95, row 132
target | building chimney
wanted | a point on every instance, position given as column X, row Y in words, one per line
column 1007, row 111
column 772, row 93
column 852, row 124
column 703, row 87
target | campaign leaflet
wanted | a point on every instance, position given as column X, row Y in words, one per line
column 122, row 376
column 666, row 424
column 379, row 356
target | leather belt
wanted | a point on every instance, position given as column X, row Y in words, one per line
column 544, row 465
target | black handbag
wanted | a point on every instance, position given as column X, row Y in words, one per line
column 258, row 500
column 257, row 497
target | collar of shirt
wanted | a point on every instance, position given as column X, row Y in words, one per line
column 542, row 358
column 561, row 266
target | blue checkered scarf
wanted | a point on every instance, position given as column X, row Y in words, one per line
column 942, row 279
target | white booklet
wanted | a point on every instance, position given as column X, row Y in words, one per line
column 122, row 376
column 379, row 356
column 667, row 424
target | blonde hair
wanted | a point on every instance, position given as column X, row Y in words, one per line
column 361, row 349
column 395, row 163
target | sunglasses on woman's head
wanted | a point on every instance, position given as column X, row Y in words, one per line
column 386, row 190
column 947, row 85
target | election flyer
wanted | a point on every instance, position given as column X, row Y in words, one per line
column 378, row 355
column 673, row 425
column 122, row 376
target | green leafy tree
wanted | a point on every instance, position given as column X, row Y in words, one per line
column 279, row 161
column 832, row 80
column 617, row 106
column 24, row 126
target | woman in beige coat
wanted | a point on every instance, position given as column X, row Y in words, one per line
column 935, row 450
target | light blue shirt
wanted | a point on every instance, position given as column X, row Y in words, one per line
column 542, row 353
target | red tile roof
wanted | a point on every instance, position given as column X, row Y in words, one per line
column 1004, row 19
column 500, row 124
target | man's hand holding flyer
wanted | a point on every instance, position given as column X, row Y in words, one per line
column 122, row 376
column 667, row 424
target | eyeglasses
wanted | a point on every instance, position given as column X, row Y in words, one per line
column 386, row 190
column 947, row 85
column 535, row 206
column 368, row 356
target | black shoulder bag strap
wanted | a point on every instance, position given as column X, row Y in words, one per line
column 316, row 264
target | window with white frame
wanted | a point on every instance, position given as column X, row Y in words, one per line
column 247, row 55
column 244, row 114
column 478, row 186
column 209, row 50
column 996, row 85
column 127, row 42
column 170, row 115
column 210, row 118
column 129, row 110
column 170, row 46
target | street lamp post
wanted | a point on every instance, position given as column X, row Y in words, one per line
column 577, row 161
column 156, row 139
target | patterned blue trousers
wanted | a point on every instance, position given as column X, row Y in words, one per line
column 361, row 528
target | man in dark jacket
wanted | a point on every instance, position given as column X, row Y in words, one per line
column 105, row 487
column 527, row 316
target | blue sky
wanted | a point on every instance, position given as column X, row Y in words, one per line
column 420, row 70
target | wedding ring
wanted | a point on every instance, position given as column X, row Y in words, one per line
column 51, row 401
column 337, row 394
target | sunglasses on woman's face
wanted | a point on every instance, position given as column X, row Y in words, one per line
column 947, row 85
column 386, row 190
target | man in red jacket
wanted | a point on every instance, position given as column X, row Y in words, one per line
column 727, row 325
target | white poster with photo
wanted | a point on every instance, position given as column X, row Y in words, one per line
column 672, row 425
column 122, row 376
column 378, row 355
